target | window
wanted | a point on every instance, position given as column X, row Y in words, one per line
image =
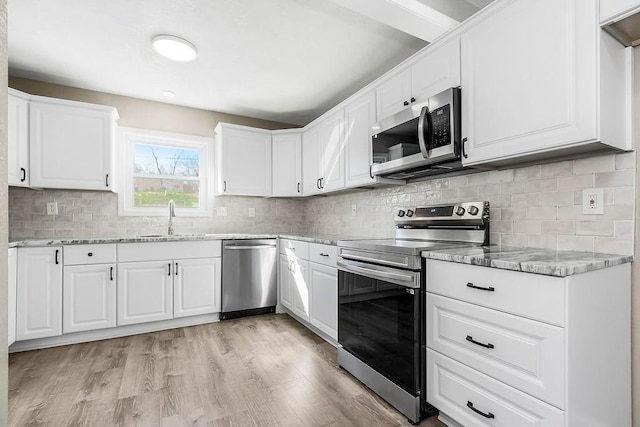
column 159, row 167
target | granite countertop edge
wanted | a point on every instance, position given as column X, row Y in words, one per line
column 325, row 239
column 546, row 262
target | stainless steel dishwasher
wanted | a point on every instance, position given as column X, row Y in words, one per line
column 249, row 280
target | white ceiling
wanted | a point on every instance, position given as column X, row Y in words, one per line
column 282, row 60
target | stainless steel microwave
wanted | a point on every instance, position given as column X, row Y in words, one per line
column 422, row 140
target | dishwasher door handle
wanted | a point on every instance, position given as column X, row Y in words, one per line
column 240, row 247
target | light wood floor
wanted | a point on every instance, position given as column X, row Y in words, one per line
column 256, row 371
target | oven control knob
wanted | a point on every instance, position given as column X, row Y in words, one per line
column 400, row 213
column 473, row 210
column 460, row 211
column 409, row 213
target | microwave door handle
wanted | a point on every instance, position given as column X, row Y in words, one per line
column 425, row 132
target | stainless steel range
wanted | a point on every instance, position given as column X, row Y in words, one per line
column 381, row 296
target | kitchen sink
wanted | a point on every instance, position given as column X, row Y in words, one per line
column 174, row 235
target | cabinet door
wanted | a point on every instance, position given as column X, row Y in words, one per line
column 144, row 292
column 39, row 305
column 196, row 288
column 287, row 164
column 394, row 94
column 300, row 288
column 244, row 162
column 12, row 266
column 436, row 71
column 527, row 91
column 18, row 146
column 70, row 146
column 332, row 154
column 323, row 298
column 89, row 297
column 359, row 116
column 286, row 280
column 311, row 161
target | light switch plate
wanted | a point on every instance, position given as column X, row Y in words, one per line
column 252, row 212
column 52, row 208
column 221, row 211
column 354, row 209
column 593, row 201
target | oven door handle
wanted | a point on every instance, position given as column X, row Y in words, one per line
column 406, row 280
column 376, row 260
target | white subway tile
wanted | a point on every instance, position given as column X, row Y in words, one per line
column 575, row 243
column 513, row 239
column 615, row 179
column 626, row 160
column 500, row 176
column 514, row 187
column 623, row 229
column 542, row 212
column 525, row 200
column 594, row 164
column 542, row 185
column 613, row 245
column 527, row 173
column 623, row 195
column 557, row 169
column 594, row 228
column 501, row 226
column 542, row 241
column 570, row 212
column 558, row 227
column 557, row 198
column 527, row 226
column 618, row 212
column 487, row 189
column 514, row 213
column 575, row 182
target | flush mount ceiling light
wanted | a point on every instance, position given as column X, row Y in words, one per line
column 174, row 48
column 168, row 93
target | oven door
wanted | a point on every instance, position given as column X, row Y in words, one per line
column 379, row 319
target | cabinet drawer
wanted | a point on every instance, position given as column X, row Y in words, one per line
column 89, row 254
column 323, row 254
column 294, row 247
column 154, row 251
column 454, row 389
column 524, row 294
column 523, row 353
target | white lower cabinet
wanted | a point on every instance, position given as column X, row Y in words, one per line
column 323, row 298
column 196, row 287
column 144, row 292
column 39, row 306
column 89, row 297
column 309, row 283
column 12, row 268
column 562, row 359
column 89, row 288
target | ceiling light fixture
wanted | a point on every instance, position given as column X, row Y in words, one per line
column 174, row 48
column 169, row 94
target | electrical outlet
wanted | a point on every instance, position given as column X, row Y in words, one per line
column 252, row 212
column 593, row 201
column 354, row 209
column 221, row 211
column 52, row 208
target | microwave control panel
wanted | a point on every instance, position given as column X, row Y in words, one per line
column 441, row 120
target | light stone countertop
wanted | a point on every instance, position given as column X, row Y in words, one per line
column 326, row 239
column 530, row 260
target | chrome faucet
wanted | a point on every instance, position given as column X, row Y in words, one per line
column 172, row 214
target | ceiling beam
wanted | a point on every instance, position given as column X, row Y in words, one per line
column 409, row 16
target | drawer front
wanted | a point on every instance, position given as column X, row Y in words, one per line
column 89, row 254
column 459, row 391
column 323, row 254
column 157, row 251
column 295, row 248
column 523, row 353
column 530, row 295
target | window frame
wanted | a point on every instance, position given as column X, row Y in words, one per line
column 130, row 136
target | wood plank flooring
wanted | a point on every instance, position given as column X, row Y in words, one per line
column 255, row 371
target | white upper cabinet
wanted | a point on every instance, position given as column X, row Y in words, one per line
column 18, row 147
column 287, row 163
column 432, row 71
column 323, row 155
column 533, row 93
column 71, row 144
column 610, row 10
column 243, row 160
column 359, row 116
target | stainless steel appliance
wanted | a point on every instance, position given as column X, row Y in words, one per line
column 249, row 281
column 381, row 298
column 426, row 136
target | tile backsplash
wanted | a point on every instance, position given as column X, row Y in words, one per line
column 537, row 206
